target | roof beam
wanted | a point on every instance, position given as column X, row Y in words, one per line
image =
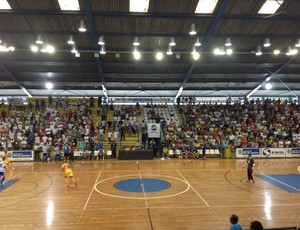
column 149, row 15
column 90, row 25
column 8, row 73
column 138, row 34
column 272, row 75
column 90, row 61
column 204, row 43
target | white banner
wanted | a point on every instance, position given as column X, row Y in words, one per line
column 292, row 152
column 273, row 152
column 153, row 130
column 19, row 155
column 243, row 152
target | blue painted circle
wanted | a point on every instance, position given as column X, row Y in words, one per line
column 137, row 184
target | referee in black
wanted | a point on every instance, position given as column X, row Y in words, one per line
column 250, row 166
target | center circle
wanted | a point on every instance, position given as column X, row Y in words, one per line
column 142, row 185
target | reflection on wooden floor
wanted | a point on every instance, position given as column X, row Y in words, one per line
column 203, row 194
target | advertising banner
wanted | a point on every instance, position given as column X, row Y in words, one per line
column 19, row 155
column 273, row 152
column 292, row 152
column 153, row 130
column 243, row 152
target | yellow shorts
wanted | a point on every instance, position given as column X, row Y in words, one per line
column 68, row 173
column 7, row 161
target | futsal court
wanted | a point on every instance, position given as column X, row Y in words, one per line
column 151, row 194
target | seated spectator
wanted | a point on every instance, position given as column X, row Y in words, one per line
column 235, row 225
column 256, row 225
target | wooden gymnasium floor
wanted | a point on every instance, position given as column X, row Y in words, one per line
column 203, row 194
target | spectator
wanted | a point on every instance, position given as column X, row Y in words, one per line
column 235, row 225
column 256, row 225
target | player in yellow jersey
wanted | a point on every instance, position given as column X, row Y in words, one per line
column 7, row 161
column 68, row 173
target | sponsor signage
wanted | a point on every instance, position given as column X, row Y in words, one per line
column 19, row 155
column 243, row 152
column 153, row 130
column 273, row 152
column 292, row 152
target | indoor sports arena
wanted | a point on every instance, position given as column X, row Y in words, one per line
column 150, row 114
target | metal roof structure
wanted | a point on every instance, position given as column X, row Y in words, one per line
column 119, row 75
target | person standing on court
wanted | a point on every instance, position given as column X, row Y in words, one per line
column 2, row 170
column 204, row 152
column 235, row 225
column 113, row 148
column 67, row 151
column 250, row 166
column 65, row 167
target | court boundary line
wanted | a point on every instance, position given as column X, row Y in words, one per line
column 194, row 189
column 276, row 180
column 93, row 188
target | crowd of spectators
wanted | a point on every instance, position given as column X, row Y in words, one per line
column 47, row 126
column 259, row 123
column 43, row 128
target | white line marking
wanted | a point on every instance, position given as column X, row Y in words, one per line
column 278, row 181
column 141, row 198
column 86, row 203
column 193, row 189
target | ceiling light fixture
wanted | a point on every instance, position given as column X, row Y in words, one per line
column 101, row 41
column 102, row 51
column 291, row 51
column 193, row 29
column 298, row 43
column 50, row 49
column 74, row 50
column 172, row 42
column 195, row 54
column 136, row 41
column 34, row 49
column 169, row 52
column 49, row 85
column 71, row 40
column 3, row 48
column 82, row 27
column 39, row 40
column 258, row 51
column 228, row 42
column 229, row 51
column 217, row 51
column 159, row 56
column 268, row 86
column 267, row 42
column 276, row 52
column 197, row 43
column 136, row 54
